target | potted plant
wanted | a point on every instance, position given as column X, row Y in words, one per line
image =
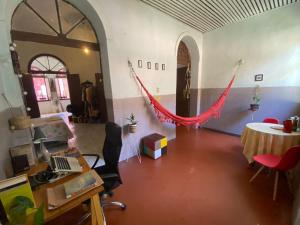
column 255, row 105
column 18, row 208
column 255, row 99
column 132, row 123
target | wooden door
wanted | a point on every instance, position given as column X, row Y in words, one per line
column 182, row 103
column 30, row 98
column 101, row 97
column 75, row 93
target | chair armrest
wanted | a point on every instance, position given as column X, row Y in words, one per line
column 96, row 160
column 109, row 175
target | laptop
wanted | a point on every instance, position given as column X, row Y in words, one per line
column 65, row 164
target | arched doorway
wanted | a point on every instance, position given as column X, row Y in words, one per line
column 188, row 76
column 58, row 24
column 183, row 81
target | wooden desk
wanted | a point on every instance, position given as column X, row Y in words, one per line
column 40, row 196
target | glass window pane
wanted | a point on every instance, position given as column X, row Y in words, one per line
column 69, row 15
column 83, row 32
column 47, row 63
column 46, row 9
column 59, row 67
column 62, row 87
column 25, row 20
column 40, row 88
column 37, row 66
column 53, row 62
column 43, row 64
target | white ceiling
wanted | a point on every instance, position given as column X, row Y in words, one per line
column 207, row 15
column 203, row 15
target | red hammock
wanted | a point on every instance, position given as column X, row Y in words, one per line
column 164, row 115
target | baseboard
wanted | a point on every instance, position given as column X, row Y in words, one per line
column 220, row 131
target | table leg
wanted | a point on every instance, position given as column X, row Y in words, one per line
column 275, row 185
column 133, row 147
column 96, row 210
column 251, row 164
column 260, row 169
column 93, row 213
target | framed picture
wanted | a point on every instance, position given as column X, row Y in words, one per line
column 163, row 67
column 149, row 65
column 259, row 77
column 156, row 66
column 140, row 64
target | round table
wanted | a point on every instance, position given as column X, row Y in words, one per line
column 262, row 138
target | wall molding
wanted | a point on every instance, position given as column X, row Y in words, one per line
column 52, row 40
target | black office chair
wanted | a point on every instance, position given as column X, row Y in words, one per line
column 111, row 154
column 110, row 171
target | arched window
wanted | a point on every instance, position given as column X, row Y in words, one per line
column 49, row 75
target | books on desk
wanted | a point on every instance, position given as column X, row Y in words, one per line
column 63, row 193
column 79, row 184
column 13, row 187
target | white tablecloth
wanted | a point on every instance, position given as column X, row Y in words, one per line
column 262, row 138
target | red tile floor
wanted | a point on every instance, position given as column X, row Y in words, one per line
column 203, row 179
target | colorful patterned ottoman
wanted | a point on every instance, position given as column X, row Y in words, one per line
column 155, row 145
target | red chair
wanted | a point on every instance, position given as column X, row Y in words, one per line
column 279, row 163
column 271, row 120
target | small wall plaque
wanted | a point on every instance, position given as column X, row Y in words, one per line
column 149, row 65
column 259, row 77
column 163, row 66
column 156, row 66
column 140, row 64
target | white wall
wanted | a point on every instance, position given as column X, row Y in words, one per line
column 47, row 107
column 269, row 44
column 8, row 85
column 138, row 31
column 6, row 71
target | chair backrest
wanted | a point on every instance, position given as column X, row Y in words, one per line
column 290, row 159
column 112, row 146
column 271, row 120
